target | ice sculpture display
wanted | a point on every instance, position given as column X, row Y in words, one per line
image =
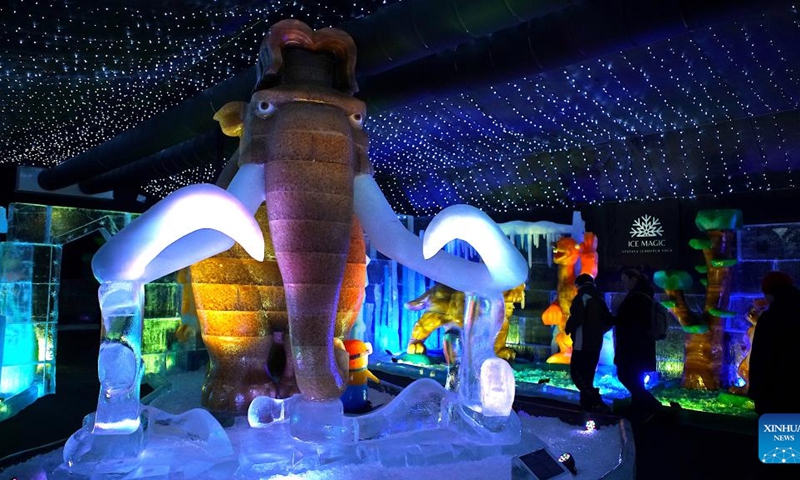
column 303, row 152
column 705, row 330
column 148, row 248
column 444, row 306
column 30, row 291
column 30, row 282
column 18, row 345
column 241, row 309
column 569, row 254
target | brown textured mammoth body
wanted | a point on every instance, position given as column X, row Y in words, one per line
column 241, row 306
column 304, row 127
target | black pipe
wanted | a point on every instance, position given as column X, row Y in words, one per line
column 413, row 29
column 211, row 148
column 185, row 121
column 408, row 30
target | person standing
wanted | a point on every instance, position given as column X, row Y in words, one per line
column 773, row 356
column 634, row 350
column 588, row 321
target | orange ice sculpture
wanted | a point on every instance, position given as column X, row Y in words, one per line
column 444, row 305
column 567, row 253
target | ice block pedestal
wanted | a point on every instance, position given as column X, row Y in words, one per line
column 27, row 323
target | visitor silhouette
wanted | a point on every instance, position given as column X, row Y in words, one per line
column 634, row 350
column 773, row 358
column 588, row 321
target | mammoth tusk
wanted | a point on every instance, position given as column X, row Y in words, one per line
column 503, row 261
column 147, row 248
column 503, row 268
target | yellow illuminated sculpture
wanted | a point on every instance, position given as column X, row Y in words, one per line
column 567, row 252
column 241, row 307
column 752, row 315
column 445, row 306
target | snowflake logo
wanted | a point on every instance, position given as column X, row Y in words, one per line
column 646, row 226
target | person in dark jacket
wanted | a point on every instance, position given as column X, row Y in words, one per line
column 589, row 319
column 773, row 356
column 634, row 351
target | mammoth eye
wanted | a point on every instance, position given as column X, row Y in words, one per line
column 264, row 109
column 356, row 120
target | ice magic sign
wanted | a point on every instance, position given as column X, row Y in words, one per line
column 646, row 234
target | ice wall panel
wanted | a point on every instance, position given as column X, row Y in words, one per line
column 28, row 223
column 3, row 221
column 162, row 299
column 769, row 242
column 60, row 225
column 747, row 275
column 18, row 342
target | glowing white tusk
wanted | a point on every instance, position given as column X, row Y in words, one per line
column 141, row 251
column 504, row 266
column 503, row 261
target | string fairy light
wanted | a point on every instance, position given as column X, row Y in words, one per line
column 713, row 112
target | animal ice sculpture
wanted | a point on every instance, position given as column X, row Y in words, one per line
column 567, row 252
column 304, row 153
column 445, row 306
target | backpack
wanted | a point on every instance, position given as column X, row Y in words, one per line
column 659, row 321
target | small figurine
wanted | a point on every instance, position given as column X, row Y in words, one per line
column 354, row 398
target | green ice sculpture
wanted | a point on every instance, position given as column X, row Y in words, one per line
column 704, row 331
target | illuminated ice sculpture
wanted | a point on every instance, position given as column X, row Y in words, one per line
column 303, row 152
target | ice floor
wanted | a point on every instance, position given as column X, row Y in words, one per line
column 243, row 452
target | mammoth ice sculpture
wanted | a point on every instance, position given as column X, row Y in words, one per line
column 303, row 152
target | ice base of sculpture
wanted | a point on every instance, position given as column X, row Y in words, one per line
column 163, row 446
column 424, row 425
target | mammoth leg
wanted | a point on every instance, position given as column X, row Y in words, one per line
column 141, row 252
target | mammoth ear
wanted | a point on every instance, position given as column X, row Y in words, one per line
column 231, row 118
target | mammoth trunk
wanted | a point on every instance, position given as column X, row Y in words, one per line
column 310, row 215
